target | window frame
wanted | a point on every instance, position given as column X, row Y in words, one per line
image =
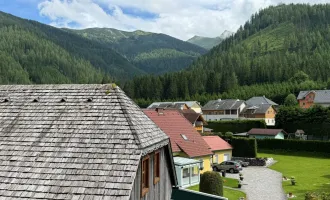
column 145, row 189
column 157, row 162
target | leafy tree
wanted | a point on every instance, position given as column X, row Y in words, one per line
column 290, row 100
column 300, row 77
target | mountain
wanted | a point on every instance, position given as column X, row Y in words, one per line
column 31, row 52
column 287, row 44
column 207, row 42
column 150, row 52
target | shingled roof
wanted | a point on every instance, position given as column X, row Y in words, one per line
column 177, row 127
column 321, row 96
column 260, row 100
column 261, row 131
column 226, row 104
column 71, row 142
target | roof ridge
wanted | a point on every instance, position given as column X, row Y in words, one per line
column 128, row 118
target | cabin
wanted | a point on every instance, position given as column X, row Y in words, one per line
column 222, row 150
column 186, row 142
column 227, row 109
column 307, row 99
column 260, row 133
column 80, row 142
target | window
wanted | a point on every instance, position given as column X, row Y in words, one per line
column 145, row 176
column 216, row 159
column 184, row 137
column 201, row 164
column 156, row 167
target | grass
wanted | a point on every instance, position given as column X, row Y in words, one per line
column 228, row 193
column 311, row 171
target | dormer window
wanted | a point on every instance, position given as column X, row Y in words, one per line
column 6, row 100
column 36, row 100
column 90, row 99
column 184, row 137
column 63, row 99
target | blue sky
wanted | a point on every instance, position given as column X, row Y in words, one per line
column 179, row 18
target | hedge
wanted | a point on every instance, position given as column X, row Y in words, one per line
column 211, row 183
column 294, row 145
column 244, row 147
column 235, row 126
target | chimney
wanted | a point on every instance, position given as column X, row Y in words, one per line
column 160, row 111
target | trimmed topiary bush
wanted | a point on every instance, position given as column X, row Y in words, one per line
column 211, row 183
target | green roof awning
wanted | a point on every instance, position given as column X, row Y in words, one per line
column 180, row 161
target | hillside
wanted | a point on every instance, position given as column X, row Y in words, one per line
column 150, row 52
column 32, row 52
column 207, row 42
column 276, row 44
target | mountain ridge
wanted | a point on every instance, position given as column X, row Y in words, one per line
column 209, row 42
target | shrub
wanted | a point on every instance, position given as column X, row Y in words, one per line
column 211, row 183
column 315, row 196
column 244, row 147
column 236, row 126
column 294, row 145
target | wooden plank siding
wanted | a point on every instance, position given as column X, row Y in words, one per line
column 163, row 189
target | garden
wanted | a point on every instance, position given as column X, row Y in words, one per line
column 311, row 172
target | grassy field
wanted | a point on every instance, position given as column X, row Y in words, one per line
column 311, row 171
column 228, row 193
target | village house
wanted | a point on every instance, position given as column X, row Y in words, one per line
column 227, row 109
column 221, row 149
column 306, row 99
column 196, row 119
column 185, row 140
column 81, row 142
column 193, row 105
column 260, row 133
column 260, row 108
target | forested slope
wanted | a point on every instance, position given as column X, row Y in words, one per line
column 151, row 52
column 273, row 46
column 32, row 52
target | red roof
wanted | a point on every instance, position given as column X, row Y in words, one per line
column 176, row 126
column 260, row 131
column 216, row 143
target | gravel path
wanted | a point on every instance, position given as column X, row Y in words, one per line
column 261, row 183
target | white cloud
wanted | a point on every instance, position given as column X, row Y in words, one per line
column 179, row 18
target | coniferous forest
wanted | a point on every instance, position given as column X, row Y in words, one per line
column 280, row 50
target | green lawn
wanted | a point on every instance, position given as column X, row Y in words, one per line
column 311, row 171
column 230, row 182
column 228, row 193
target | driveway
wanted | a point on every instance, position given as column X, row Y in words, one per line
column 261, row 183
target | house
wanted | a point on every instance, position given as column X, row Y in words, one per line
column 260, row 108
column 260, row 133
column 228, row 109
column 265, row 112
column 185, row 140
column 196, row 119
column 306, row 99
column 221, row 149
column 193, row 105
column 80, row 142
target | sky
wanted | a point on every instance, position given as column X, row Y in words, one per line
column 182, row 19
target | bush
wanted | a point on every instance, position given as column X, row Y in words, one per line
column 211, row 183
column 244, row 147
column 294, row 145
column 236, row 126
column 315, row 196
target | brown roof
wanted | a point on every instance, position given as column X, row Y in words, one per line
column 176, row 126
column 260, row 131
column 192, row 116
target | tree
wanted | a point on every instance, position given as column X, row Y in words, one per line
column 290, row 100
column 300, row 77
column 211, row 183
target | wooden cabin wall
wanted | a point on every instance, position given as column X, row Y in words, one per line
column 163, row 189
